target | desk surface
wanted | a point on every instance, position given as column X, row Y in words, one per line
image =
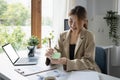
column 7, row 68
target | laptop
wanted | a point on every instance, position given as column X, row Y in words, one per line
column 15, row 59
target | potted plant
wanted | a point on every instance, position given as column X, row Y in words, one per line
column 48, row 39
column 33, row 41
column 112, row 19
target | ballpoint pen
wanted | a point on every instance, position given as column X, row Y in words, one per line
column 49, row 42
column 48, row 60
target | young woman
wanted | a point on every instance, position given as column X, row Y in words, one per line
column 76, row 45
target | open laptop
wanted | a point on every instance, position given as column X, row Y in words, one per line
column 15, row 59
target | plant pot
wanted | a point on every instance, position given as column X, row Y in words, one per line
column 31, row 51
column 115, row 56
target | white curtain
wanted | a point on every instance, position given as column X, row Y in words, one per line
column 60, row 11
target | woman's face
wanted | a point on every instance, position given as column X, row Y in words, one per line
column 75, row 23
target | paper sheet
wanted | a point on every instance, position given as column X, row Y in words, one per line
column 83, row 75
column 57, row 74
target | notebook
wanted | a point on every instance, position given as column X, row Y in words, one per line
column 14, row 57
column 83, row 75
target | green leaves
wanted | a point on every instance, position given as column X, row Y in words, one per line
column 13, row 35
column 33, row 41
column 14, row 14
column 46, row 39
column 112, row 19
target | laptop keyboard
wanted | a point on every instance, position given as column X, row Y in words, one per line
column 25, row 60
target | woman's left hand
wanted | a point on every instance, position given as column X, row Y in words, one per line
column 62, row 60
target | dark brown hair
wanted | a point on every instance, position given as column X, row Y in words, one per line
column 80, row 12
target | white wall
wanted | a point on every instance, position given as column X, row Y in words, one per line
column 96, row 11
column 81, row 2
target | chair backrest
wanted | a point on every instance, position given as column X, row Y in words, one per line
column 101, row 59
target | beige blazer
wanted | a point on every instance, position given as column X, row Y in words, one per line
column 84, row 54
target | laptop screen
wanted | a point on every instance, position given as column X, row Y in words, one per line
column 10, row 52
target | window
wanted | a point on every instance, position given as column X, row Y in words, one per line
column 53, row 15
column 47, row 21
column 34, row 19
column 15, row 22
column 19, row 19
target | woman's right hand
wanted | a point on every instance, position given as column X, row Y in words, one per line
column 49, row 53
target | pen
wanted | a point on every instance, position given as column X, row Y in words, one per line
column 49, row 42
column 48, row 60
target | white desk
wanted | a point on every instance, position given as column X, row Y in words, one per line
column 7, row 69
column 101, row 76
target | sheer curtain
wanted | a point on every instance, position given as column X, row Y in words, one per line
column 60, row 11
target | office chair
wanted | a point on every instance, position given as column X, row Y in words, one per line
column 101, row 59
